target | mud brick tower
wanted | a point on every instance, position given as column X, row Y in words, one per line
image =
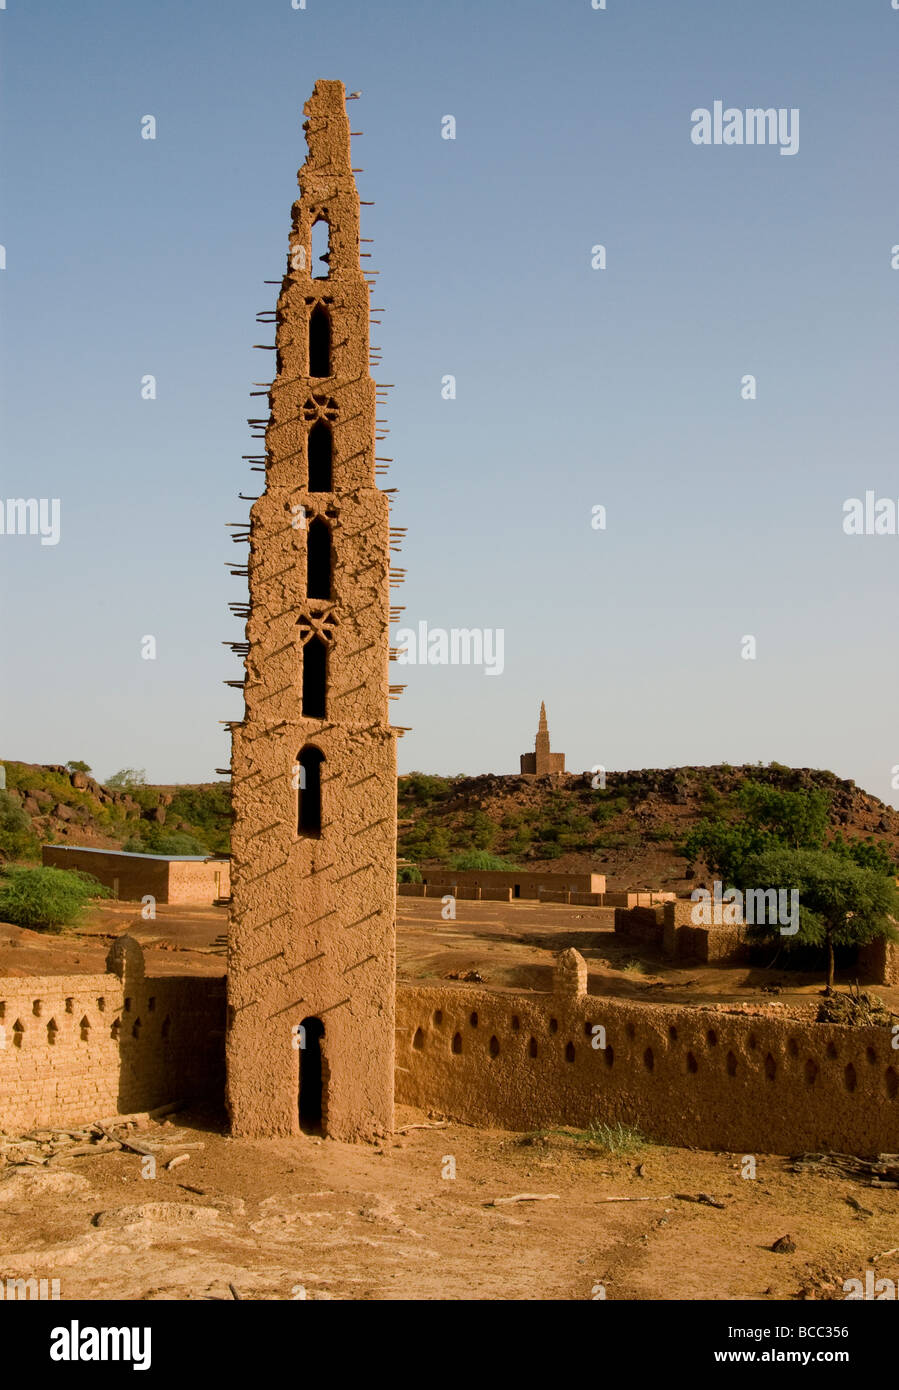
column 311, row 973
column 542, row 761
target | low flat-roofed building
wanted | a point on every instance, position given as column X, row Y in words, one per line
column 169, row 878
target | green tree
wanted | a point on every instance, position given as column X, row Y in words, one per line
column 77, row 767
column 840, row 903
column 127, row 777
column 46, row 897
column 408, row 873
column 767, row 818
column 868, row 854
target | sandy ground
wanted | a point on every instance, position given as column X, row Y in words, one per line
column 283, row 1219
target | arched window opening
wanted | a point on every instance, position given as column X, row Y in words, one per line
column 319, row 342
column 318, row 457
column 318, row 560
column 315, row 669
column 312, row 1108
column 321, row 249
column 309, row 792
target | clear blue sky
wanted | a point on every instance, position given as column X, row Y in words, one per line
column 576, row 387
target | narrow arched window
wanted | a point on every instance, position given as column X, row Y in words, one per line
column 318, row 560
column 315, row 669
column 319, row 342
column 318, row 456
column 321, row 249
column 309, row 792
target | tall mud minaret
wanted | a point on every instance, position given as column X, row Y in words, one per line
column 311, row 973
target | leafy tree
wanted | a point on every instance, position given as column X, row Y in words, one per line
column 840, row 903
column 408, row 873
column 77, row 767
column 797, row 819
column 46, row 897
column 771, row 819
column 127, row 777
column 868, row 854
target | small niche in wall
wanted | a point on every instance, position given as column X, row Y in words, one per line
column 438, row 1017
column 892, row 1083
column 731, row 1064
column 608, row 1055
column 166, row 1026
column 116, row 1029
column 711, row 1038
column 850, row 1080
column 494, row 1046
column 811, row 1072
column 832, row 1050
column 36, row 1008
column 692, row 1064
column 569, row 1052
column 871, row 1055
column 18, row 1033
column 101, row 1005
column 52, row 1030
column 532, row 1048
column 516, row 1023
column 70, row 1006
column 418, row 1041
column 85, row 1027
column 473, row 1020
column 457, row 1042
column 135, row 1031
column 554, row 1025
column 672, row 1033
column 770, row 1067
column 151, row 1004
column 649, row 1060
column 2, row 1009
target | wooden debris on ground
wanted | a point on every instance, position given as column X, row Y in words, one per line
column 882, row 1171
column 47, row 1146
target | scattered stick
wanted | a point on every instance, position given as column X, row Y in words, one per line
column 234, row 1293
column 666, row 1198
column 872, row 1259
column 174, row 1162
column 524, row 1197
column 702, row 1197
column 438, row 1124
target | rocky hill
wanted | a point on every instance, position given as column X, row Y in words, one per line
column 52, row 804
column 632, row 830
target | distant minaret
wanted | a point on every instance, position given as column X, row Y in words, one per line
column 311, row 969
column 542, row 761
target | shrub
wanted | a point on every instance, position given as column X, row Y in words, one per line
column 127, row 777
column 48, row 898
column 17, row 839
column 155, row 840
column 408, row 873
column 481, row 859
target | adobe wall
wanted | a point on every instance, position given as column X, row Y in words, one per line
column 136, row 876
column 531, row 885
column 199, row 883
column 75, row 1048
column 690, row 1077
